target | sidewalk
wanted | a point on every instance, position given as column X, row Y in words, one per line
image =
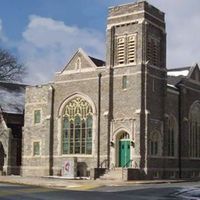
column 61, row 183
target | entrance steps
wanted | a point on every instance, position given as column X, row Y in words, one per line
column 112, row 174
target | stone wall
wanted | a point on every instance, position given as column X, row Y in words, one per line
column 37, row 98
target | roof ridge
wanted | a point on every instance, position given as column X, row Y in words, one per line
column 95, row 58
column 97, row 62
column 180, row 68
column 13, row 83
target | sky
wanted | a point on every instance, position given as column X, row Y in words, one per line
column 44, row 34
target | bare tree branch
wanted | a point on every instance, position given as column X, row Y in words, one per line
column 10, row 69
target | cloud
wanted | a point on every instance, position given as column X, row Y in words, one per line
column 3, row 38
column 182, row 22
column 47, row 45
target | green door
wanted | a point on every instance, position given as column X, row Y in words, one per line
column 124, row 153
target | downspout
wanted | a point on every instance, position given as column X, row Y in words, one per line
column 99, row 120
column 146, row 113
column 51, row 127
column 110, row 114
column 179, row 135
column 110, row 90
column 145, row 94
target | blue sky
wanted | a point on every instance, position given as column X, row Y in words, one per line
column 45, row 33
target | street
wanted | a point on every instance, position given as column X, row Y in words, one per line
column 139, row 192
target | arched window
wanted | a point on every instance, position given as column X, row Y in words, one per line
column 171, row 136
column 154, row 143
column 194, row 130
column 77, row 123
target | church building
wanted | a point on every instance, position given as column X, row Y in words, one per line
column 129, row 115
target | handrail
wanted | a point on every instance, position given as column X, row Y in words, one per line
column 104, row 162
column 129, row 161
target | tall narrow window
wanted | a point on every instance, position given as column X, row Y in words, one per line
column 131, row 49
column 36, row 148
column 77, row 127
column 153, row 51
column 126, row 49
column 89, row 135
column 154, row 142
column 66, row 138
column 171, row 136
column 77, row 130
column 37, row 116
column 194, row 130
column 124, row 82
column 121, row 50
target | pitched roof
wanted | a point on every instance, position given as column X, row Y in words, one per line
column 97, row 62
column 12, row 97
column 174, row 76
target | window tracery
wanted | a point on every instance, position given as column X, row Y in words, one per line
column 154, row 144
column 77, row 127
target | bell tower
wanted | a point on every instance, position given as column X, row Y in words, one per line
column 136, row 59
column 135, row 35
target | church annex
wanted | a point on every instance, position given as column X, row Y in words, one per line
column 127, row 114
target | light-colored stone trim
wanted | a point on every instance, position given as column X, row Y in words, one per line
column 84, row 55
column 33, row 116
column 77, row 71
column 42, row 157
column 135, row 13
column 95, row 78
column 36, row 103
column 59, row 121
column 75, row 155
column 32, row 150
column 35, row 167
column 139, row 20
column 115, row 149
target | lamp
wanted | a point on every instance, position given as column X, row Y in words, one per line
column 111, row 143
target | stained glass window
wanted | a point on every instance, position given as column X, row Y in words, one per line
column 77, row 127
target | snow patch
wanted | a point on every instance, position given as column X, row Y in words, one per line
column 178, row 73
column 172, row 86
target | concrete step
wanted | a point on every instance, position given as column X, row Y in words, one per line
column 113, row 174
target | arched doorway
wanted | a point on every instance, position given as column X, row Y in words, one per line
column 2, row 156
column 124, row 151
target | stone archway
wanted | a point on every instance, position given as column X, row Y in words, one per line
column 2, row 157
column 123, row 149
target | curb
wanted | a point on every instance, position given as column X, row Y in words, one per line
column 83, row 187
column 89, row 186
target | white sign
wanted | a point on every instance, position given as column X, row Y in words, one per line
column 69, row 168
